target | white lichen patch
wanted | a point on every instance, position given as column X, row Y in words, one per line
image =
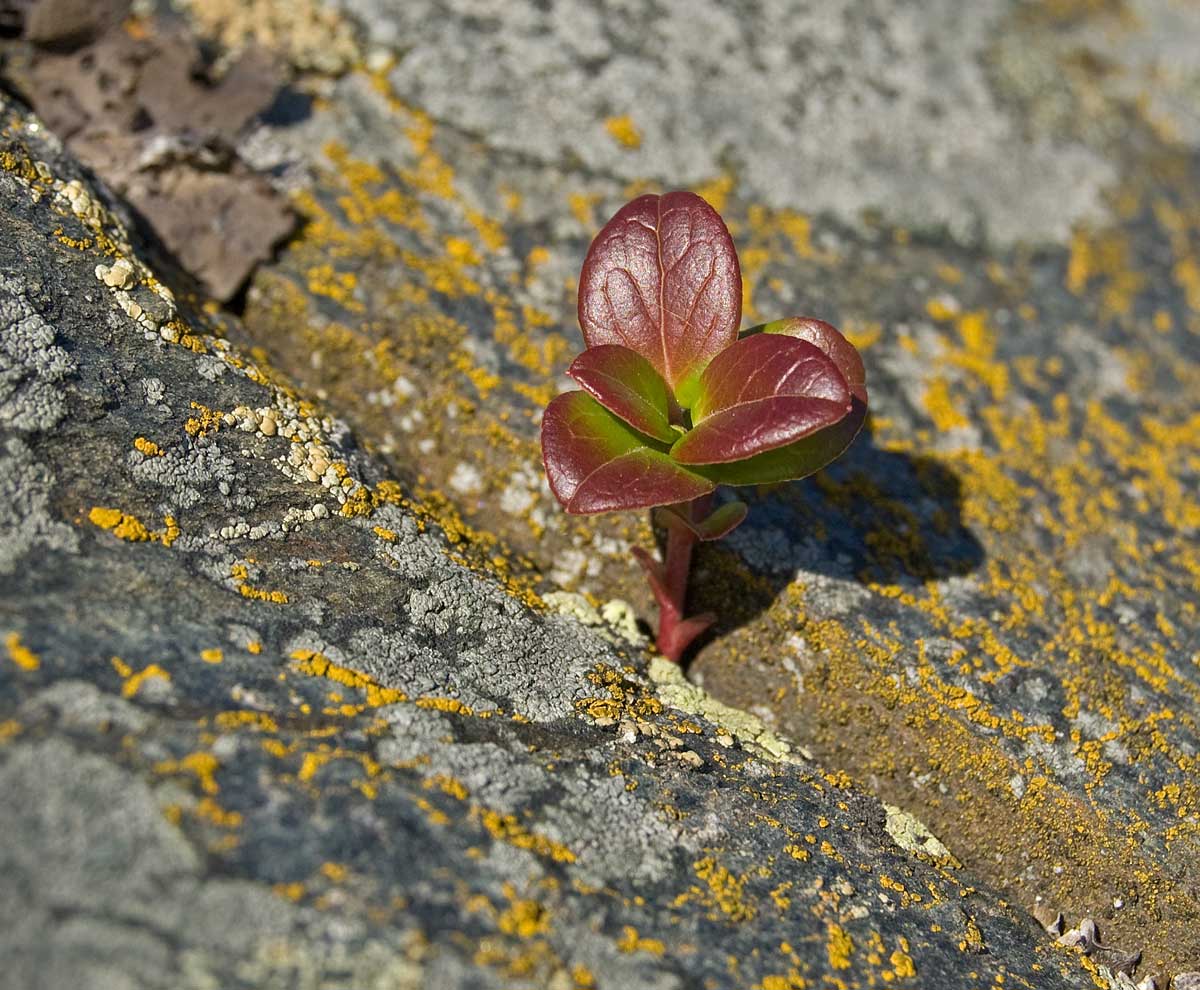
column 620, row 616
column 520, row 494
column 124, row 276
column 31, row 364
column 72, row 195
column 677, row 691
column 118, row 275
column 607, row 546
column 466, row 479
column 914, row 836
column 136, row 312
column 310, row 457
column 154, row 390
column 615, row 620
column 293, row 520
column 1119, row 981
column 411, row 422
column 27, row 524
column 569, row 567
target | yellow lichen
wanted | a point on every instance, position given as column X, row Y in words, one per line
column 631, row 941
column 289, row 891
column 128, row 527
column 307, row 34
column 725, row 890
column 507, row 829
column 243, row 719
column 209, row 810
column 838, row 947
column 318, row 665
column 623, row 130
column 20, row 654
column 240, row 573
column 792, row 980
column 524, row 919
column 451, row 705
column 902, row 965
column 205, row 422
column 133, row 680
column 203, row 766
column 447, row 785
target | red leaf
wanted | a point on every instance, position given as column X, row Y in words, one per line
column 662, row 279
column 626, row 384
column 794, row 461
column 831, row 342
column 764, row 392
column 595, row 463
column 807, row 456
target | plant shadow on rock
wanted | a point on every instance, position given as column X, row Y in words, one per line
column 874, row 516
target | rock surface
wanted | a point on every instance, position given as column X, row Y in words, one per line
column 986, row 611
column 985, row 614
column 261, row 730
column 147, row 112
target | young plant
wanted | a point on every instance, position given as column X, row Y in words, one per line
column 676, row 402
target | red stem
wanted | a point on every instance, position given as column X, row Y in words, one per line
column 675, row 633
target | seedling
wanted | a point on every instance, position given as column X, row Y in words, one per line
column 676, row 402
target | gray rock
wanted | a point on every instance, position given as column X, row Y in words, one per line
column 841, row 107
column 332, row 754
column 983, row 611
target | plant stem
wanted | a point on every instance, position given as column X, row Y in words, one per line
column 675, row 633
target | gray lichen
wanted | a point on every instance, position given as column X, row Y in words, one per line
column 26, row 523
column 32, row 367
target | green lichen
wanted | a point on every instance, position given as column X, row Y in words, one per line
column 675, row 690
column 913, row 836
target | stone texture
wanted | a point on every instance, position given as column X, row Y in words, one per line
column 160, row 124
column 985, row 612
column 839, row 106
column 264, row 730
column 984, row 615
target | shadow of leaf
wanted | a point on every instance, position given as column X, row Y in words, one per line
column 873, row 517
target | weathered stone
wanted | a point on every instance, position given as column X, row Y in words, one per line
column 160, row 126
column 841, row 107
column 242, row 741
column 986, row 611
column 62, row 23
column 985, row 614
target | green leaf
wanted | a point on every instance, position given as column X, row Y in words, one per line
column 720, row 522
column 596, row 463
column 626, row 384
